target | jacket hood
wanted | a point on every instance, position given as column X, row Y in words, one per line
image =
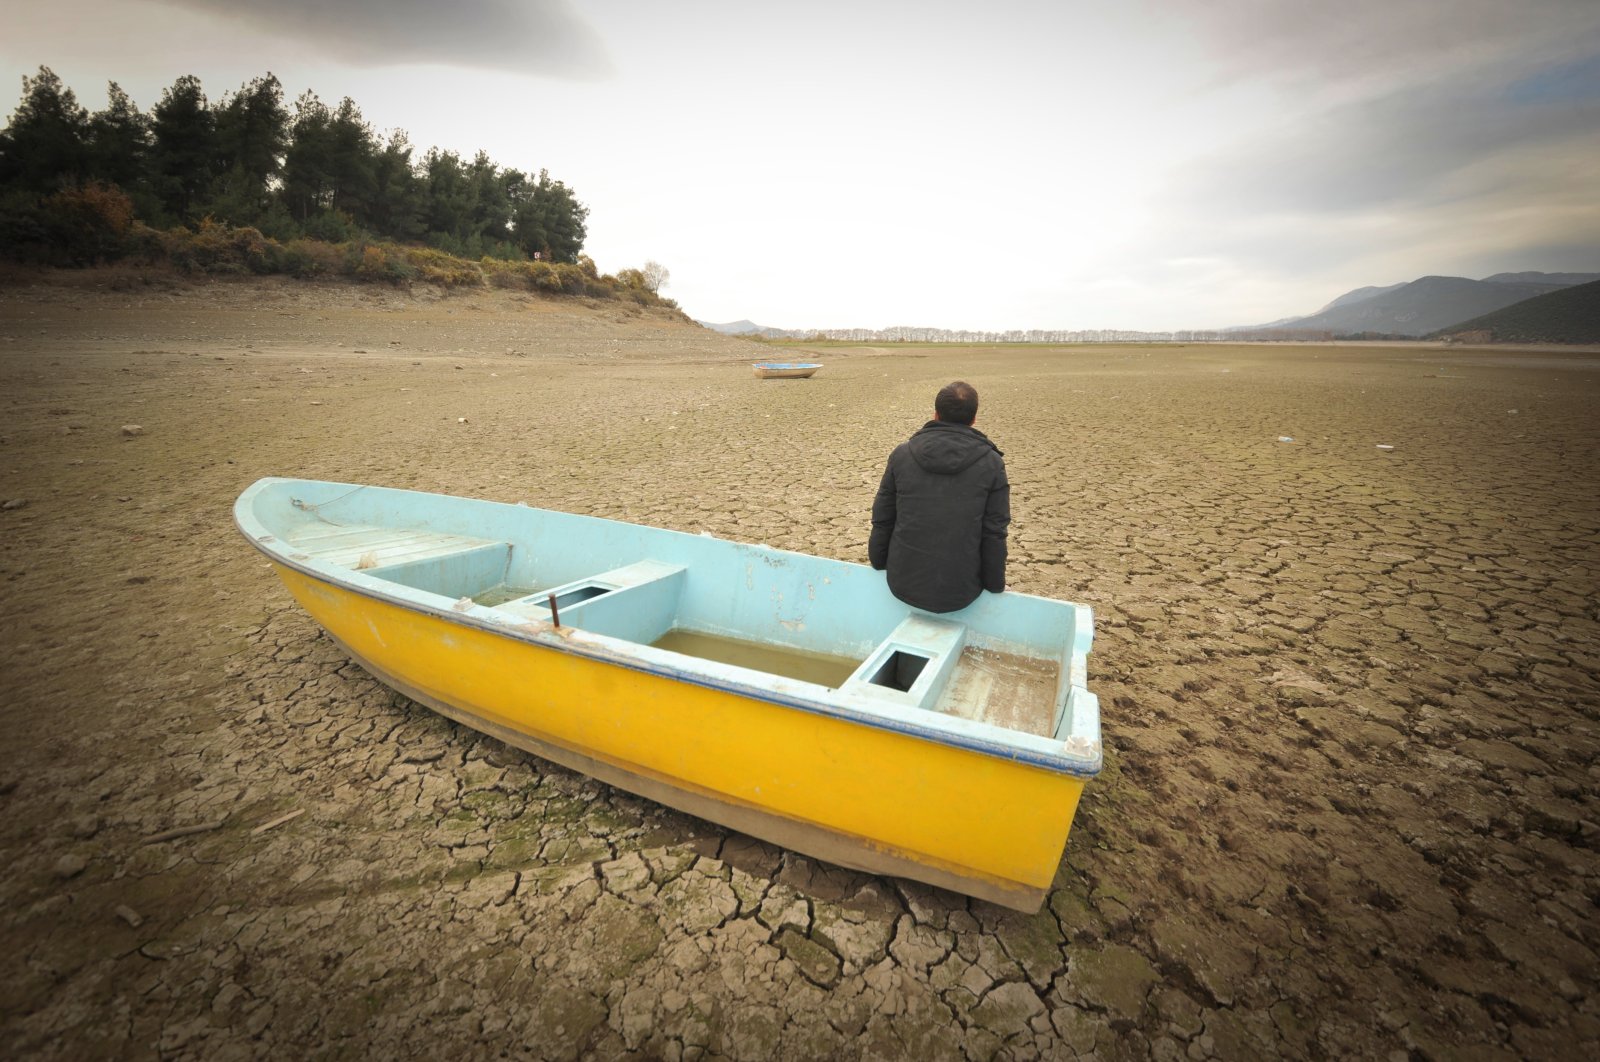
column 945, row 449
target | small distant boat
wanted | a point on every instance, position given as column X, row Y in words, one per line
column 785, row 370
column 787, row 696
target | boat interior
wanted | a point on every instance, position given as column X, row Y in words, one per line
column 915, row 659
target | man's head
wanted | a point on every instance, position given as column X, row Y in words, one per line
column 957, row 403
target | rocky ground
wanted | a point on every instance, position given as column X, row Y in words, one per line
column 1350, row 696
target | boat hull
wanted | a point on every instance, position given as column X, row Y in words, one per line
column 784, row 370
column 868, row 798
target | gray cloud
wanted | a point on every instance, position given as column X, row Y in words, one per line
column 1404, row 151
column 1427, row 138
column 543, row 38
column 1374, row 46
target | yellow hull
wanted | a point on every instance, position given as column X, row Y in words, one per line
column 856, row 795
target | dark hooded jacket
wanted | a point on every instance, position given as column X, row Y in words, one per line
column 939, row 520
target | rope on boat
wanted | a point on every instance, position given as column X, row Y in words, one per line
column 308, row 507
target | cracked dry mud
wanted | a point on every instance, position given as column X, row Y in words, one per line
column 1349, row 695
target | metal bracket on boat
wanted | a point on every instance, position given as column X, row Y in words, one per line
column 541, row 627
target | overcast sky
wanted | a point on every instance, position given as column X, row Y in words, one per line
column 1151, row 164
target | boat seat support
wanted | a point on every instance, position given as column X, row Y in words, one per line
column 913, row 664
column 447, row 572
column 637, row 602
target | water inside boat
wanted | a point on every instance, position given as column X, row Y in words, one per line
column 820, row 668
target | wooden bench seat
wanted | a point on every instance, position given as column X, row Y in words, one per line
column 366, row 548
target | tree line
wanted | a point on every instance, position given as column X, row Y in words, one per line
column 310, row 171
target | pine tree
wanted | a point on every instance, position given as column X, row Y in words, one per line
column 184, row 156
column 252, row 136
column 353, row 162
column 398, row 191
column 46, row 146
column 119, row 142
column 308, row 163
column 550, row 222
column 448, row 200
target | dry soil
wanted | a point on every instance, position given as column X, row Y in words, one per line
column 1347, row 655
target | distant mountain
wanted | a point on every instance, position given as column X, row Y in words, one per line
column 1420, row 307
column 1292, row 323
column 1359, row 295
column 741, row 328
column 1569, row 315
column 1542, row 278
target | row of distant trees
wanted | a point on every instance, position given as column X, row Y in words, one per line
column 307, row 171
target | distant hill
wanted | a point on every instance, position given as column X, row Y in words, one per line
column 1428, row 305
column 1542, row 278
column 741, row 328
column 1289, row 324
column 1424, row 305
column 1358, row 295
column 1570, row 315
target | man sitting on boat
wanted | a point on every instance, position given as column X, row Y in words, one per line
column 940, row 516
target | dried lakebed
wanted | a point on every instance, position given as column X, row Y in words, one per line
column 1350, row 694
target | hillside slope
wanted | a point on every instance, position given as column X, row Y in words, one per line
column 1571, row 315
column 1568, row 279
column 92, row 310
column 1349, row 298
column 1420, row 307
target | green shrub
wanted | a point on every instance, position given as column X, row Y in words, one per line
column 144, row 244
column 95, row 223
column 277, row 224
column 331, row 226
column 259, row 254
column 219, row 249
column 437, row 267
column 87, row 223
column 384, row 263
column 312, row 258
column 24, row 233
column 544, row 277
column 572, row 280
column 509, row 276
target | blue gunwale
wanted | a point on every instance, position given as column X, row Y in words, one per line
column 1081, row 754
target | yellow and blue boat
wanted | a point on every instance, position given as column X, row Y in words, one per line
column 785, row 370
column 786, row 696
